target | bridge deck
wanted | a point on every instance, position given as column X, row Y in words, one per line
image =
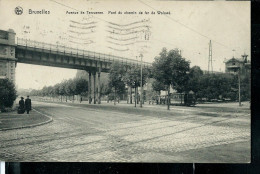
column 73, row 52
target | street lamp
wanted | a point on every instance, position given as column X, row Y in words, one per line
column 141, row 96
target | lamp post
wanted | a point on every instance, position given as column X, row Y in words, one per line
column 141, row 96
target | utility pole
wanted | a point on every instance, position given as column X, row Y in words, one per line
column 141, row 96
column 210, row 58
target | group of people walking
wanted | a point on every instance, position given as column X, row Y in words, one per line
column 25, row 105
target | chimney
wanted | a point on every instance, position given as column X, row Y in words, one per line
column 245, row 58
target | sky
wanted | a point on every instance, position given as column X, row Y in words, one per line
column 189, row 27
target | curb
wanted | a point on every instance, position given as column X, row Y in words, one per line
column 32, row 125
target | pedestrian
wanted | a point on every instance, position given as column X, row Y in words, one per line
column 28, row 104
column 21, row 106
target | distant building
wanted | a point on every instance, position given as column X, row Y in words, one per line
column 235, row 64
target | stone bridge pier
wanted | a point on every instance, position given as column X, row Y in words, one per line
column 94, row 90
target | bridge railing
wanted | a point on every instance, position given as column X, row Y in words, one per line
column 74, row 51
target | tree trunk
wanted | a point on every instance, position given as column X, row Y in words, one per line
column 159, row 99
column 131, row 101
column 135, row 96
column 115, row 97
column 127, row 97
column 138, row 98
column 168, row 99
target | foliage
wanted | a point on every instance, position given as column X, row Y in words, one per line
column 195, row 76
column 133, row 76
column 81, row 86
column 116, row 75
column 157, row 86
column 171, row 69
column 7, row 93
column 245, row 87
column 217, row 86
column 76, row 86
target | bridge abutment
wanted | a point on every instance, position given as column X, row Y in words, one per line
column 7, row 55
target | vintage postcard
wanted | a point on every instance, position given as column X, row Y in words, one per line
column 125, row 81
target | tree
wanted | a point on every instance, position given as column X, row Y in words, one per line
column 195, row 75
column 245, row 87
column 7, row 94
column 158, row 87
column 69, row 88
column 170, row 69
column 217, row 86
column 116, row 74
column 81, row 86
column 61, row 89
column 133, row 78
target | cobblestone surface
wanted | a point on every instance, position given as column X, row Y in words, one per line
column 80, row 133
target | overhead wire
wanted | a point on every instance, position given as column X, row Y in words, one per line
column 185, row 26
column 134, row 23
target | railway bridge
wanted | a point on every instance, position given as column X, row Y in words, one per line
column 13, row 50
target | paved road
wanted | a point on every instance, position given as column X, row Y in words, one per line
column 83, row 133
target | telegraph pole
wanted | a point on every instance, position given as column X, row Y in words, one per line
column 210, row 58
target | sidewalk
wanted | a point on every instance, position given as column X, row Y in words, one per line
column 12, row 120
column 198, row 107
column 159, row 110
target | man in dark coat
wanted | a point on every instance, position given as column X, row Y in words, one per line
column 21, row 106
column 28, row 105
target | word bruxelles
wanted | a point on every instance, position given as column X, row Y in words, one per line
column 43, row 11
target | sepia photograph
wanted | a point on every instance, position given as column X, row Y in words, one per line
column 125, row 81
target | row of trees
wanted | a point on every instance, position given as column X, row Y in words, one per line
column 220, row 86
column 71, row 87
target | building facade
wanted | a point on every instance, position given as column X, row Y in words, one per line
column 233, row 65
